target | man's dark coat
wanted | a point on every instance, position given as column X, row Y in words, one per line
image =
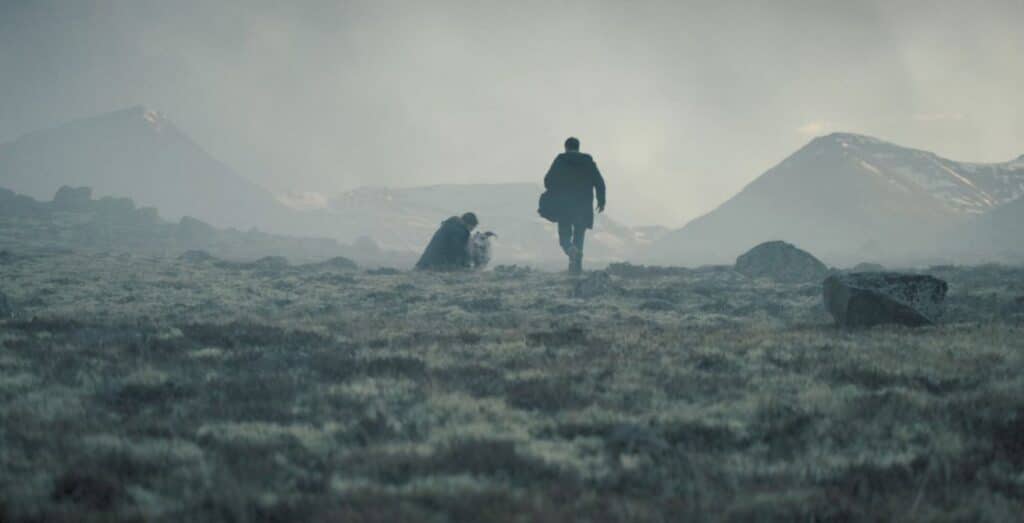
column 571, row 183
column 447, row 248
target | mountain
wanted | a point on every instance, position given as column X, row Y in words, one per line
column 849, row 198
column 74, row 220
column 139, row 153
column 999, row 235
column 404, row 219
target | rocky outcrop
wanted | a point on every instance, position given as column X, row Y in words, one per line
column 864, row 299
column 337, row 263
column 72, row 198
column 782, row 262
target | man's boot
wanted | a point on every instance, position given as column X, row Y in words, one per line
column 572, row 253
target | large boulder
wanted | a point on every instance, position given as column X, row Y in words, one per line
column 782, row 262
column 863, row 299
column 192, row 231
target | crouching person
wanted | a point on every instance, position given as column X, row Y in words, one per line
column 448, row 248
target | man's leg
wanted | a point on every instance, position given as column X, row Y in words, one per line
column 567, row 241
column 579, row 232
column 565, row 237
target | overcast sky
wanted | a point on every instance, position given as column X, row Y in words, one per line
column 681, row 103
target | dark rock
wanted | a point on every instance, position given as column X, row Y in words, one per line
column 196, row 256
column 384, row 271
column 593, row 285
column 12, row 204
column 782, row 262
column 868, row 267
column 192, row 230
column 72, row 198
column 863, row 299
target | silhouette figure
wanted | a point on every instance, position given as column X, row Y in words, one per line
column 449, row 247
column 571, row 184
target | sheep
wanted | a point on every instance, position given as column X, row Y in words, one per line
column 479, row 248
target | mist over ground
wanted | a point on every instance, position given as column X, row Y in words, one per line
column 805, row 302
column 682, row 103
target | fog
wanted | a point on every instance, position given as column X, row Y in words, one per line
column 682, row 104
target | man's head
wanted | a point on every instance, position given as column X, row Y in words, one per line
column 572, row 144
column 470, row 220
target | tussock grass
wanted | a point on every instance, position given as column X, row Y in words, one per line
column 150, row 389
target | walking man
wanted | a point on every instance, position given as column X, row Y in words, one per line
column 571, row 184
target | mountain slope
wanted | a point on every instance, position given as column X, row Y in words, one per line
column 847, row 198
column 138, row 153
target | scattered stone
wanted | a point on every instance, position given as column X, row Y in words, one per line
column 864, row 299
column 782, row 262
column 196, row 256
column 868, row 267
column 593, row 285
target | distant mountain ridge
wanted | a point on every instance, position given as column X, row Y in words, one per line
column 849, row 198
column 139, row 153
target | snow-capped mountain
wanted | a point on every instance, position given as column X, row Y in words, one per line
column 139, row 153
column 971, row 188
column 849, row 198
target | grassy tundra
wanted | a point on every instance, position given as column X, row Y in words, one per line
column 162, row 390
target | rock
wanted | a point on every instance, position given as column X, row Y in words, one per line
column 269, row 263
column 868, row 267
column 196, row 256
column 72, row 198
column 863, row 299
column 338, row 263
column 782, row 262
column 192, row 230
column 594, row 284
column 6, row 309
